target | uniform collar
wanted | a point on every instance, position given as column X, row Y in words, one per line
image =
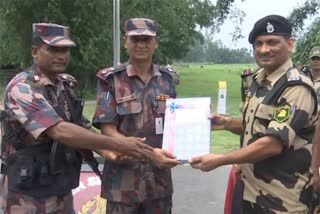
column 271, row 80
column 132, row 72
column 316, row 80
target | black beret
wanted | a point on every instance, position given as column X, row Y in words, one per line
column 270, row 25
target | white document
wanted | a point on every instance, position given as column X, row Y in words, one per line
column 187, row 129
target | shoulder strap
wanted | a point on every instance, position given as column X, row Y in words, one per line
column 248, row 72
column 75, row 105
column 72, row 82
column 292, row 78
column 106, row 72
column 172, row 72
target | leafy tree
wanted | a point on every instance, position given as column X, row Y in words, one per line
column 306, row 38
column 310, row 39
column 299, row 15
column 91, row 28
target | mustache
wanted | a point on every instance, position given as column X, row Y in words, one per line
column 265, row 54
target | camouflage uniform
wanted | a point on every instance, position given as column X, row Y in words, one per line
column 234, row 194
column 280, row 183
column 30, row 99
column 317, row 90
column 125, row 101
column 246, row 81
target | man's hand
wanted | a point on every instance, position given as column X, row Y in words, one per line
column 164, row 159
column 115, row 156
column 219, row 122
column 133, row 147
column 206, row 162
column 315, row 179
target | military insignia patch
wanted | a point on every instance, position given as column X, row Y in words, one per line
column 282, row 114
column 270, row 28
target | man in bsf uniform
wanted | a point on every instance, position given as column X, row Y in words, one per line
column 131, row 102
column 277, row 127
column 39, row 132
column 234, row 193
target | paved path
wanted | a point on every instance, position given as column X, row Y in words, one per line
column 197, row 192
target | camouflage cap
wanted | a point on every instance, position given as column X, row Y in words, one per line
column 52, row 34
column 140, row 26
column 315, row 51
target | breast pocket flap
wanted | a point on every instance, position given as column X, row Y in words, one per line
column 265, row 111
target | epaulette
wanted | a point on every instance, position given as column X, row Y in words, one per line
column 293, row 75
column 172, row 72
column 305, row 70
column 33, row 80
column 104, row 73
column 248, row 72
column 69, row 79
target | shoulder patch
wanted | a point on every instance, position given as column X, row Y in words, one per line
column 70, row 79
column 172, row 72
column 104, row 73
column 281, row 114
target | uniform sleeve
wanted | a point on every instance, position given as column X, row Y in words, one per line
column 31, row 109
column 105, row 105
column 300, row 105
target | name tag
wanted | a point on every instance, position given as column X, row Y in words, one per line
column 159, row 125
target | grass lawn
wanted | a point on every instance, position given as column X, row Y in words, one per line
column 203, row 82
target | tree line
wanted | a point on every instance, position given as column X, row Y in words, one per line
column 91, row 28
column 216, row 52
column 181, row 23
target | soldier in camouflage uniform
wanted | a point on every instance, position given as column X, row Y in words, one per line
column 314, row 68
column 234, row 193
column 39, row 165
column 131, row 102
column 277, row 127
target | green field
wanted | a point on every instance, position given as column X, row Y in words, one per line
column 203, row 82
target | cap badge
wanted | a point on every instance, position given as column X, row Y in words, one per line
column 270, row 28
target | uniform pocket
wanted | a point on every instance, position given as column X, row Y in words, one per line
column 128, row 105
column 21, row 172
column 265, row 112
column 161, row 106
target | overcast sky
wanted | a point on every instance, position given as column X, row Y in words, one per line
column 254, row 9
